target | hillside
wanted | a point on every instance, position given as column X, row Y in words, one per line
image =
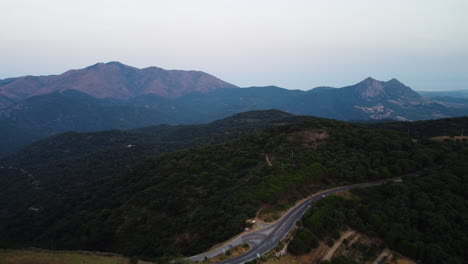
column 66, row 161
column 186, row 201
column 367, row 100
column 427, row 129
column 451, row 93
column 41, row 116
column 422, row 217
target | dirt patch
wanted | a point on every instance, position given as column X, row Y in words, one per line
column 403, row 260
column 308, row 138
column 314, row 257
column 268, row 160
column 363, row 249
column 270, row 214
column 38, row 256
column 312, row 136
column 345, row 194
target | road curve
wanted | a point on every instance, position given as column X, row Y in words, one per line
column 265, row 239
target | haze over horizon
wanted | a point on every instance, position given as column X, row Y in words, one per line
column 295, row 45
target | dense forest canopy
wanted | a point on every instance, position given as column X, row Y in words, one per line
column 67, row 161
column 186, row 201
column 424, row 217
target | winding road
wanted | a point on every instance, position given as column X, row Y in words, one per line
column 265, row 239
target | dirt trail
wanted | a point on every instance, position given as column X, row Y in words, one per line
column 268, row 160
column 354, row 240
column 381, row 258
column 337, row 244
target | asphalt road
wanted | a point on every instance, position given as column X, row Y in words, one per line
column 264, row 240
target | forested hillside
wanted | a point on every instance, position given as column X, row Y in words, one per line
column 429, row 128
column 186, row 201
column 69, row 160
column 424, row 217
column 41, row 116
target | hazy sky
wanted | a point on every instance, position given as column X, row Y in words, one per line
column 296, row 44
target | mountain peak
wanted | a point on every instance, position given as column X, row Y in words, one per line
column 395, row 81
column 109, row 65
column 370, row 89
column 369, row 79
column 115, row 63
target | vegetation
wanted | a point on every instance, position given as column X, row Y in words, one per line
column 56, row 257
column 428, row 128
column 303, row 242
column 181, row 203
column 40, row 116
column 186, row 201
column 342, row 260
column 67, row 161
column 229, row 254
column 424, row 217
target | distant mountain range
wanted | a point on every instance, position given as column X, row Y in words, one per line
column 454, row 93
column 116, row 96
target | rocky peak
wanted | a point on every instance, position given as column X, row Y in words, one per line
column 369, row 88
column 394, row 81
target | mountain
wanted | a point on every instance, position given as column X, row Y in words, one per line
column 117, row 96
column 5, row 101
column 114, row 80
column 373, row 90
column 372, row 99
column 186, row 201
column 66, row 161
column 369, row 99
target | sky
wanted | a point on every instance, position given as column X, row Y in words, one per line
column 295, row 44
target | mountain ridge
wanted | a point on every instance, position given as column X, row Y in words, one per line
column 370, row 88
column 151, row 96
column 114, row 80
